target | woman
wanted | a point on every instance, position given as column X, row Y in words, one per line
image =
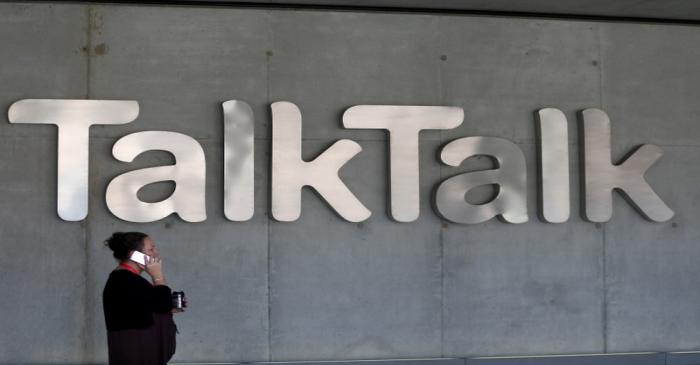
column 138, row 313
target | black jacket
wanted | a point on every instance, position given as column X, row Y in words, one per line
column 129, row 301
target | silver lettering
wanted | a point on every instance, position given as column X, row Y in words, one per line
column 73, row 119
column 601, row 176
column 553, row 157
column 511, row 201
column 188, row 173
column 239, row 142
column 290, row 173
column 404, row 123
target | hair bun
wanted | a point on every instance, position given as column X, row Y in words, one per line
column 122, row 243
column 114, row 242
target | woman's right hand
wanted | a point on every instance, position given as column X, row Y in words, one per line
column 154, row 268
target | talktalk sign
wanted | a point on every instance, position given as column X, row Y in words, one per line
column 290, row 173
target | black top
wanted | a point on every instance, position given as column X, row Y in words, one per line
column 129, row 301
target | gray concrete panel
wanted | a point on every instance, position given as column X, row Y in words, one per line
column 651, row 358
column 41, row 57
column 42, row 264
column 652, row 269
column 651, row 83
column 221, row 265
column 326, row 62
column 370, row 290
column 502, row 70
column 180, row 64
column 532, row 288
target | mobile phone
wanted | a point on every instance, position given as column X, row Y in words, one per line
column 139, row 257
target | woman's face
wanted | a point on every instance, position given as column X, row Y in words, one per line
column 149, row 247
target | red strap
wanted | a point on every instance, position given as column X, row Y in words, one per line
column 129, row 268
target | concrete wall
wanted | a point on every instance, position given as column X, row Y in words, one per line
column 321, row 288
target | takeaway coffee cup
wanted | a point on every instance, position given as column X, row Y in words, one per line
column 178, row 298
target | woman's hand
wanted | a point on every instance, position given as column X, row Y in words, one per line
column 154, row 268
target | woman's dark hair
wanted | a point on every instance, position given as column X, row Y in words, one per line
column 122, row 243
